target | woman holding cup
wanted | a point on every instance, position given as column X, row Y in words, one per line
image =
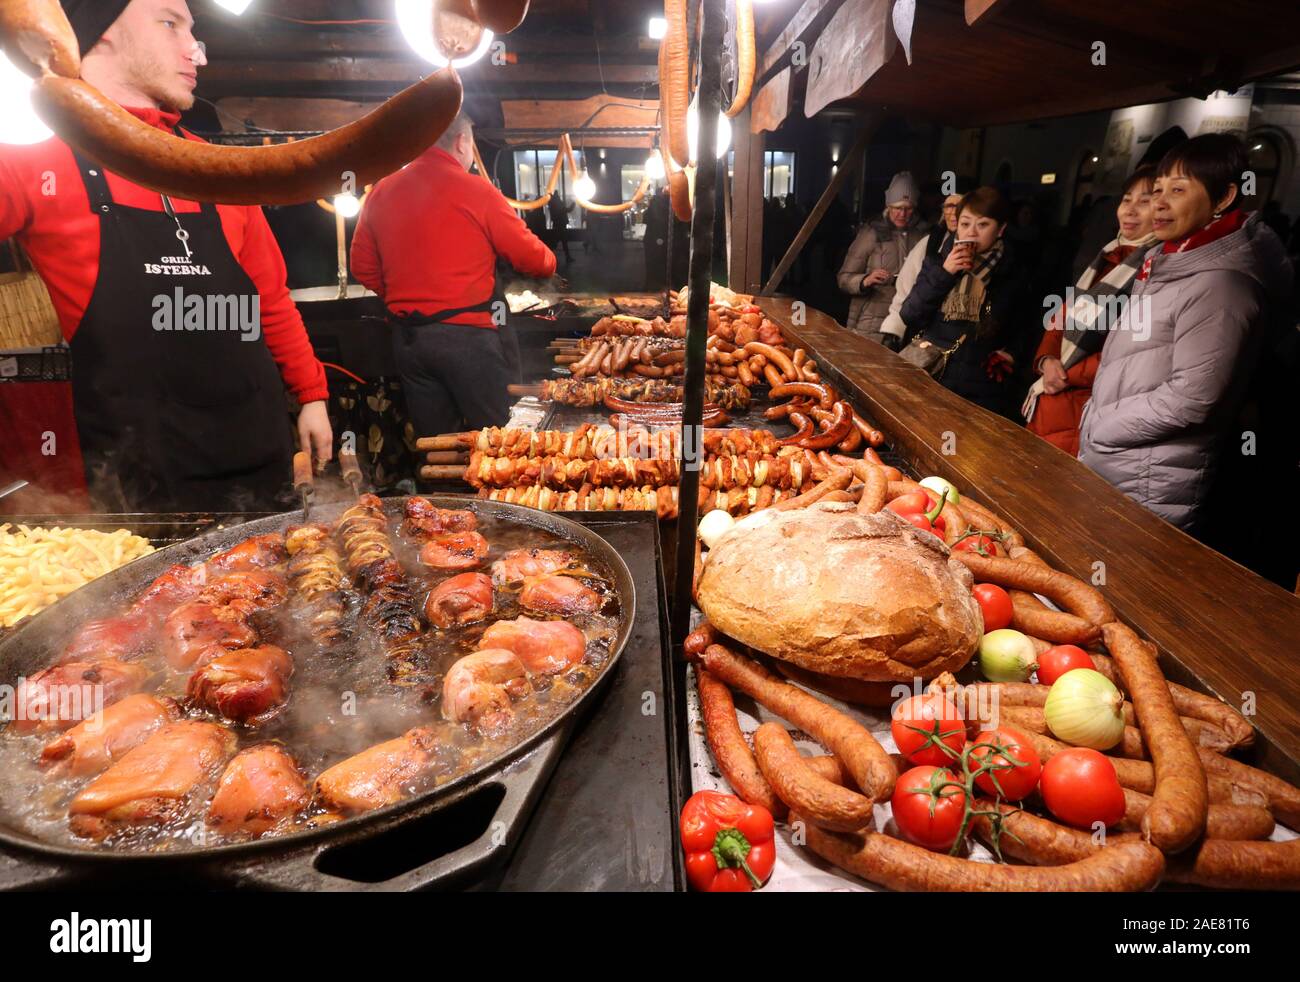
column 966, row 317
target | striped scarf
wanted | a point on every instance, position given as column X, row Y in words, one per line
column 965, row 300
column 1085, row 327
column 1086, row 322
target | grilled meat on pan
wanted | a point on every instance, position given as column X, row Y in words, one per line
column 317, row 576
column 389, row 607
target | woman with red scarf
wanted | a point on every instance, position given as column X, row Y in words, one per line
column 1172, row 374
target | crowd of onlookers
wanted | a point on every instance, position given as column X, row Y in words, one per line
column 1167, row 366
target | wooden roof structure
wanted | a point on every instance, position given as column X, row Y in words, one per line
column 984, row 62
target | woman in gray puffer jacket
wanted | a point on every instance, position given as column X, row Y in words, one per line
column 871, row 267
column 1173, row 371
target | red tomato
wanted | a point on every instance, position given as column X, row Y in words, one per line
column 1080, row 788
column 915, row 503
column 995, row 604
column 1013, row 781
column 934, row 828
column 938, row 717
column 1055, row 662
column 980, row 544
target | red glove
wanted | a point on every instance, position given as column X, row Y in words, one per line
column 999, row 366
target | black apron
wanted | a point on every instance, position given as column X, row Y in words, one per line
column 409, row 322
column 171, row 419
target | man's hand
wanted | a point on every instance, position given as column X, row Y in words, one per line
column 315, row 433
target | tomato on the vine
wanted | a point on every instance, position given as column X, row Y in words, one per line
column 925, row 811
column 1056, row 661
column 995, row 604
column 1014, row 763
column 1080, row 788
column 980, row 544
column 920, row 724
column 913, row 503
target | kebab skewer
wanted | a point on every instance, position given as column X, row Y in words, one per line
column 389, row 607
column 318, row 578
column 586, row 394
column 663, row 501
column 589, row 442
column 725, row 472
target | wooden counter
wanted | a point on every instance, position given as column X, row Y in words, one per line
column 1220, row 627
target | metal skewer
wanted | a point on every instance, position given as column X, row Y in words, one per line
column 304, row 481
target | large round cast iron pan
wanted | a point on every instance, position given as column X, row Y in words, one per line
column 511, row 784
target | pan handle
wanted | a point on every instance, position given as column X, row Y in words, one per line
column 523, row 783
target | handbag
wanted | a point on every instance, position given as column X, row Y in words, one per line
column 27, row 315
column 930, row 358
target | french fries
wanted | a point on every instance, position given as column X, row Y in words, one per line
column 40, row 566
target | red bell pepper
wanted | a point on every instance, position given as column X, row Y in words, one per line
column 730, row 845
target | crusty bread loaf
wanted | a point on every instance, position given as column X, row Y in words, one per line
column 856, row 596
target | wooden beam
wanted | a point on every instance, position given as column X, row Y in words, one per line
column 273, row 74
column 746, row 267
column 975, row 9
column 857, row 43
column 804, row 20
column 847, row 166
column 771, row 105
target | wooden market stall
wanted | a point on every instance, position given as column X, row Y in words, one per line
column 971, row 63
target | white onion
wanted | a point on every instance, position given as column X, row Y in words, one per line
column 1085, row 709
column 1006, row 656
column 714, row 526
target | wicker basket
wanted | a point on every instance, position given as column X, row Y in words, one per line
column 27, row 315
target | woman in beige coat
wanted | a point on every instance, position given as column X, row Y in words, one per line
column 877, row 255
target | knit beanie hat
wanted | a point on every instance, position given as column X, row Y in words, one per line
column 902, row 189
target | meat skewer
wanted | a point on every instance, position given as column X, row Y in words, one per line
column 318, row 579
column 590, row 442
column 663, row 501
column 730, row 472
column 390, row 607
column 585, row 394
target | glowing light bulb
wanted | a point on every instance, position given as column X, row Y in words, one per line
column 584, row 187
column 236, row 7
column 415, row 19
column 693, row 132
column 658, row 28
column 347, row 205
column 19, row 124
column 654, row 167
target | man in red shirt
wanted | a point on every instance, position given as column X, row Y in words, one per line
column 427, row 243
column 182, row 333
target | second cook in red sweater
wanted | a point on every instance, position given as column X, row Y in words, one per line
column 428, row 242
